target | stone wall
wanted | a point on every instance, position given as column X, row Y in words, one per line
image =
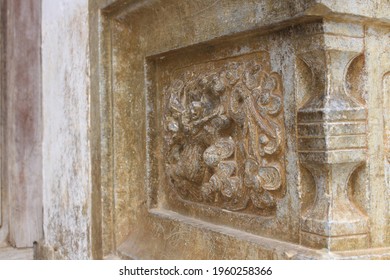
column 215, row 129
column 328, row 189
column 66, row 138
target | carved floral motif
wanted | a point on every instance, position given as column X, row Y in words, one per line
column 224, row 134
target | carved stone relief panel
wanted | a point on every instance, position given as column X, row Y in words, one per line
column 236, row 134
column 217, row 133
column 223, row 134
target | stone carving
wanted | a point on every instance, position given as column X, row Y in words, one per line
column 332, row 144
column 224, row 136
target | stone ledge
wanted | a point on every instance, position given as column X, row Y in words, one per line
column 274, row 249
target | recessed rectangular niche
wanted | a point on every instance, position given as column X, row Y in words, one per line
column 215, row 133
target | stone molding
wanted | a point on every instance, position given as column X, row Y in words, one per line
column 323, row 58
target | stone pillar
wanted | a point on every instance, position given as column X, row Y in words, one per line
column 68, row 137
column 332, row 144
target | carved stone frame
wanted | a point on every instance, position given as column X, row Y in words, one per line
column 125, row 217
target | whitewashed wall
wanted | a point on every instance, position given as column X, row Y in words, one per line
column 66, row 145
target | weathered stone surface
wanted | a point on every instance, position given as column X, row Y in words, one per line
column 333, row 141
column 169, row 42
column 223, row 131
column 66, row 140
column 378, row 64
column 216, row 129
column 9, row 253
